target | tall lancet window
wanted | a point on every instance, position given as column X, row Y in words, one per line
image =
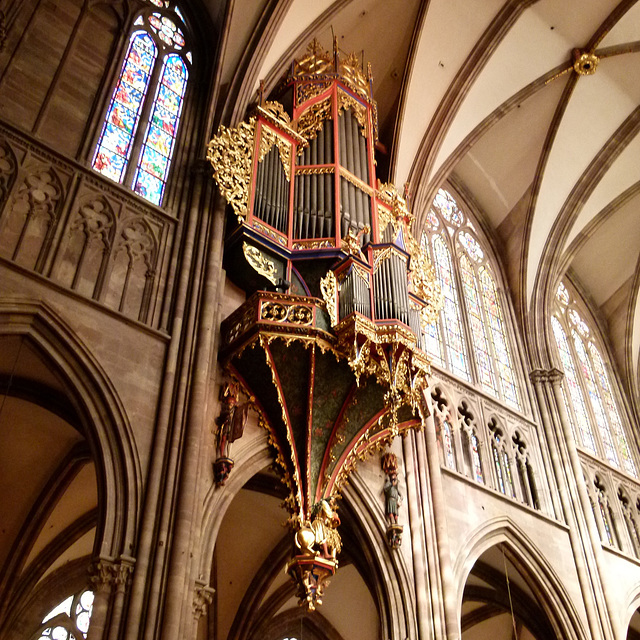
column 591, row 403
column 473, row 311
column 139, row 132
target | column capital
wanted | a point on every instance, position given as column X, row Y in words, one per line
column 107, row 573
column 555, row 376
column 202, row 598
column 538, row 376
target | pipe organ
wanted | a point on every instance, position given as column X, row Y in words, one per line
column 307, row 199
column 338, row 288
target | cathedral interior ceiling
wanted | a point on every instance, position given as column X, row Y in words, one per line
column 501, row 106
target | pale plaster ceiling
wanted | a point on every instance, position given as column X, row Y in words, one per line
column 470, row 91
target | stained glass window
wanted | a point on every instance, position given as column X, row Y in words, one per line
column 586, row 374
column 579, row 323
column 150, row 144
column 575, row 392
column 612, row 410
column 471, row 246
column 112, row 153
column 478, row 329
column 448, row 207
column 497, row 331
column 161, row 131
column 475, row 458
column 562, row 294
column 596, row 401
column 447, row 445
column 71, row 616
column 454, row 340
column 431, row 337
column 479, row 307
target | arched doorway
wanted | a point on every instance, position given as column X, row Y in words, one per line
column 499, row 602
column 254, row 596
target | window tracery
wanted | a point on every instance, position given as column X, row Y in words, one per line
column 68, row 620
column 139, row 132
column 587, row 377
column 462, row 265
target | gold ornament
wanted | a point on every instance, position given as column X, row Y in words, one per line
column 329, row 290
column 260, row 262
column 231, row 155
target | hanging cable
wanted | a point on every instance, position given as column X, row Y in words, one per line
column 506, row 573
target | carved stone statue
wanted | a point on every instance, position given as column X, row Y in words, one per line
column 392, row 499
column 230, row 426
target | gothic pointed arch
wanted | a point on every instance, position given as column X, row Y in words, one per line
column 503, row 538
column 94, row 400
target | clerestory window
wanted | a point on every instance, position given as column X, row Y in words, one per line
column 139, row 133
column 591, row 404
column 472, row 320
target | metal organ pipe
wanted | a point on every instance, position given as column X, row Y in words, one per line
column 307, row 206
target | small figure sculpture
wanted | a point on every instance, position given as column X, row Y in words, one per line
column 321, row 533
column 392, row 499
column 319, row 543
column 230, row 423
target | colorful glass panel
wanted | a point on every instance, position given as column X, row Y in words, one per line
column 605, row 521
column 447, row 443
column 114, row 147
column 562, row 294
column 454, row 340
column 478, row 329
column 596, row 401
column 612, row 410
column 575, row 392
column 431, row 336
column 475, row 459
column 498, row 466
column 448, row 207
column 167, row 30
column 471, row 246
column 507, row 469
column 579, row 323
column 432, row 222
column 497, row 331
column 159, row 139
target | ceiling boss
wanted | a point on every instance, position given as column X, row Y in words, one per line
column 329, row 342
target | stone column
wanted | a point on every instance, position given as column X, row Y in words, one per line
column 418, row 546
column 105, row 574
column 592, row 534
column 427, row 448
column 146, row 588
column 122, row 578
column 568, row 502
column 186, row 506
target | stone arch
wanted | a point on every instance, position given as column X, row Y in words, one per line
column 632, row 612
column 388, row 577
column 535, row 569
column 96, row 402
